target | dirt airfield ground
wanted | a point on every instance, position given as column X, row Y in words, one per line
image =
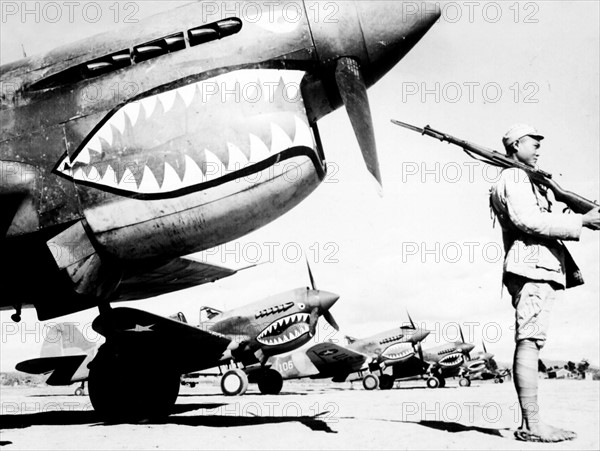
column 306, row 415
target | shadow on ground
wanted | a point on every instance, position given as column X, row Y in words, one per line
column 78, row 417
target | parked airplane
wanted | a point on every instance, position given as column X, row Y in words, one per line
column 212, row 135
column 435, row 364
column 481, row 366
column 65, row 354
column 340, row 361
column 247, row 335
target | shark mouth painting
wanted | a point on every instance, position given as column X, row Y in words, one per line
column 197, row 136
column 453, row 359
column 398, row 351
column 285, row 330
column 476, row 365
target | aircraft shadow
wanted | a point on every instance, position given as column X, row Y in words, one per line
column 78, row 417
column 451, row 426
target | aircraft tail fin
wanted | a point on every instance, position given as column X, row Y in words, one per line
column 65, row 339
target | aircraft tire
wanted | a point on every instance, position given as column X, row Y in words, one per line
column 79, row 391
column 113, row 398
column 386, row 382
column 464, row 382
column 433, row 382
column 234, row 383
column 270, row 382
column 370, row 382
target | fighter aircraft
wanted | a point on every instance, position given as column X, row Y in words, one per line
column 212, row 134
column 65, row 354
column 340, row 361
column 434, row 364
column 481, row 365
column 247, row 335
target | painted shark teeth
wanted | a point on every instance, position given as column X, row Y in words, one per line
column 452, row 359
column 398, row 351
column 113, row 146
column 285, row 330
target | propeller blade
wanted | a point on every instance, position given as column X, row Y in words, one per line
column 314, row 317
column 329, row 318
column 353, row 91
column 462, row 337
column 310, row 275
column 483, row 343
column 420, row 351
column 412, row 323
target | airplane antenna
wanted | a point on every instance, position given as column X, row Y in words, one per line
column 24, row 52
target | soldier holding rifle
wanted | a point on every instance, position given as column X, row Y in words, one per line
column 536, row 264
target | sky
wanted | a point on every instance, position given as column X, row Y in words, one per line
column 428, row 246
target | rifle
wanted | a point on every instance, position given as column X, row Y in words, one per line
column 574, row 201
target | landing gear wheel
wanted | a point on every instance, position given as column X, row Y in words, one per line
column 370, row 382
column 464, row 382
column 433, row 382
column 192, row 385
column 113, row 398
column 386, row 382
column 270, row 382
column 79, row 391
column 442, row 381
column 234, row 383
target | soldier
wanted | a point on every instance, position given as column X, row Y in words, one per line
column 536, row 266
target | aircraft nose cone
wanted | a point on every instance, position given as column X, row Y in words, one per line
column 420, row 335
column 467, row 347
column 327, row 299
column 390, row 30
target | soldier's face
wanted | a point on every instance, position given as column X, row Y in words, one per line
column 528, row 150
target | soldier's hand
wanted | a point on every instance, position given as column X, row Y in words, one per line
column 591, row 219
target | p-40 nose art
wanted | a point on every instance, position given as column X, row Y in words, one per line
column 125, row 151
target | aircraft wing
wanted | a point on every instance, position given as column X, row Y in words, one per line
column 189, row 348
column 177, row 274
column 330, row 358
column 62, row 367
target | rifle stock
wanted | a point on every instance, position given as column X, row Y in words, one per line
column 575, row 202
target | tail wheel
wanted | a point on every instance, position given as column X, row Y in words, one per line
column 270, row 382
column 386, row 382
column 464, row 382
column 433, row 382
column 370, row 382
column 234, row 383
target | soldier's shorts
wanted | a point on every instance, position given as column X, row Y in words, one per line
column 533, row 301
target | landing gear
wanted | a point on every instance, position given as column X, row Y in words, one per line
column 442, row 381
column 270, row 382
column 234, row 383
column 80, row 390
column 370, row 382
column 464, row 382
column 498, row 380
column 153, row 394
column 386, row 382
column 433, row 382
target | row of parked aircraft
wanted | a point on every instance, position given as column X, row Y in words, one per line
column 103, row 200
column 267, row 342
